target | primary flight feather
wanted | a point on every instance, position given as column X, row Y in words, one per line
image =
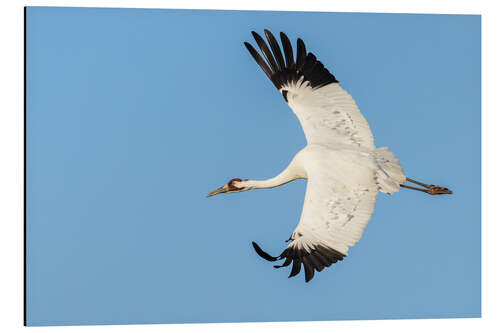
column 343, row 168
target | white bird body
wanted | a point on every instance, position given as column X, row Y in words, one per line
column 342, row 184
column 343, row 168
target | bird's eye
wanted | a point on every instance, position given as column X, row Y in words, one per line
column 231, row 184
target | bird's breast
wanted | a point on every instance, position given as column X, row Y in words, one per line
column 347, row 166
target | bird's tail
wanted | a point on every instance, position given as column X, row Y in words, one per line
column 389, row 173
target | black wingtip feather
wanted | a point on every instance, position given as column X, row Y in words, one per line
column 317, row 258
column 266, row 52
column 287, row 49
column 281, row 72
column 309, row 269
column 259, row 60
column 276, row 50
column 295, row 268
column 287, row 262
column 301, row 54
column 263, row 254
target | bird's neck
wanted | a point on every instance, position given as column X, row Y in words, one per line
column 285, row 177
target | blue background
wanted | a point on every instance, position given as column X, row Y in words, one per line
column 134, row 115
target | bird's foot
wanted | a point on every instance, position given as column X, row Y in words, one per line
column 429, row 189
column 433, row 189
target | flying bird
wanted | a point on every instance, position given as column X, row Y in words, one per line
column 343, row 168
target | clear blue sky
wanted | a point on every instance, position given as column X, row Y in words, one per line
column 133, row 116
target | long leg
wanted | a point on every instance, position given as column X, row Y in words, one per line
column 429, row 189
column 418, row 183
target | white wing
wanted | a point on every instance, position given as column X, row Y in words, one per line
column 336, row 210
column 327, row 113
column 333, row 219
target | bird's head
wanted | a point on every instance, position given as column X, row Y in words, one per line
column 234, row 185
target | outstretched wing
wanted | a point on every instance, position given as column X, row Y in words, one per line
column 333, row 218
column 327, row 113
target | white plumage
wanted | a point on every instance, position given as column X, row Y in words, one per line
column 343, row 168
column 329, row 115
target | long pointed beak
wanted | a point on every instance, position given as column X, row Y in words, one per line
column 222, row 189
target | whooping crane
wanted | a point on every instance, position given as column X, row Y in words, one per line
column 343, row 168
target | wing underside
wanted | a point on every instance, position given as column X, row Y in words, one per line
column 335, row 213
column 333, row 219
column 327, row 113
